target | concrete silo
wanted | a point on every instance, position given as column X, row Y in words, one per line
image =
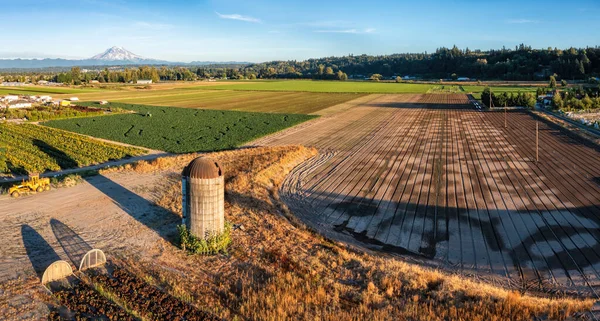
column 203, row 190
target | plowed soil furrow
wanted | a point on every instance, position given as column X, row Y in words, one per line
column 430, row 175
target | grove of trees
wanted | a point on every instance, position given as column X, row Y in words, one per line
column 521, row 63
column 520, row 99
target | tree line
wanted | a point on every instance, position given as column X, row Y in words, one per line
column 521, row 63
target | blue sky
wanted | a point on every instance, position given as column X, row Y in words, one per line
column 261, row 30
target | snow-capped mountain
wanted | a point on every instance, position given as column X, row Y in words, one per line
column 118, row 53
column 115, row 56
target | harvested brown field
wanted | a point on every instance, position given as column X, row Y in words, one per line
column 430, row 178
column 275, row 269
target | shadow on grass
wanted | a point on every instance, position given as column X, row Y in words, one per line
column 62, row 159
column 15, row 170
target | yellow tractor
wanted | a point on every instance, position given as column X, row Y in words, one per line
column 33, row 184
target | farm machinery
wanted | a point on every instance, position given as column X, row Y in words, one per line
column 33, row 184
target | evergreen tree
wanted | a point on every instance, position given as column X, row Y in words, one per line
column 557, row 101
column 552, row 83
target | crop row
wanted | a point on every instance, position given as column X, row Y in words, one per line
column 181, row 130
column 146, row 299
column 85, row 303
column 31, row 148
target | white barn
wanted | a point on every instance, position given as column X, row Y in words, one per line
column 19, row 104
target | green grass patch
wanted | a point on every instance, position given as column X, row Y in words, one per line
column 323, row 86
column 251, row 101
column 445, row 89
column 213, row 244
column 181, row 130
column 476, row 90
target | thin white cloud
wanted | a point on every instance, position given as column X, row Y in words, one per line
column 351, row 31
column 152, row 25
column 239, row 17
column 521, row 21
column 325, row 24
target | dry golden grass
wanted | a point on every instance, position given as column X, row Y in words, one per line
column 279, row 270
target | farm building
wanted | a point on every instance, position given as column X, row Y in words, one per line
column 65, row 103
column 74, row 99
column 13, row 84
column 94, row 82
column 144, row 81
column 10, row 98
column 103, row 102
column 19, row 104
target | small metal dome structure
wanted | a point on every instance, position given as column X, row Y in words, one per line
column 56, row 271
column 203, row 203
column 91, row 259
column 202, row 167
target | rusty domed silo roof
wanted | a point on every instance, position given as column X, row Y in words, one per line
column 202, row 167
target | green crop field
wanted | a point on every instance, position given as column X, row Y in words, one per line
column 181, row 130
column 271, row 102
column 36, row 149
column 445, row 89
column 476, row 90
column 41, row 90
column 323, row 86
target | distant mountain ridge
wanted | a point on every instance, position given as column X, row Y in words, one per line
column 114, row 56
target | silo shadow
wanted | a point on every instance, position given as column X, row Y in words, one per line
column 158, row 219
column 62, row 159
column 73, row 245
column 40, row 253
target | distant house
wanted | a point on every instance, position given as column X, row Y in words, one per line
column 463, row 79
column 74, row 99
column 94, row 82
column 19, row 104
column 45, row 98
column 65, row 103
column 103, row 102
column 42, row 82
column 13, row 84
column 10, row 97
column 144, row 81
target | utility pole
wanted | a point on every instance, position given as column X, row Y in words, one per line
column 537, row 141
